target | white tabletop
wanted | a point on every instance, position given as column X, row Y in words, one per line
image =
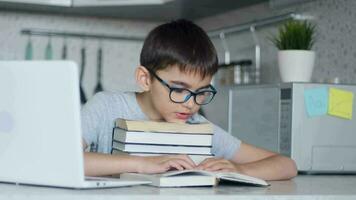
column 301, row 187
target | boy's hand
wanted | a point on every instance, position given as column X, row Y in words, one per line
column 160, row 164
column 218, row 164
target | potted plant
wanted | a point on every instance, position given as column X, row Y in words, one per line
column 295, row 57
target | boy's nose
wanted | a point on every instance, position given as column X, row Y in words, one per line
column 190, row 103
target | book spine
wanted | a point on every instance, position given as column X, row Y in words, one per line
column 162, row 145
column 136, row 153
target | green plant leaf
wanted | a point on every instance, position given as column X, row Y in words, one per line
column 297, row 35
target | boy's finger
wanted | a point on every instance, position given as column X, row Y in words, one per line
column 187, row 159
column 184, row 163
column 173, row 164
column 202, row 163
column 208, row 162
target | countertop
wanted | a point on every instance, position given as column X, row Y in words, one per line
column 302, row 187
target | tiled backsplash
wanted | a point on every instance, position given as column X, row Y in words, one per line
column 335, row 45
column 120, row 57
column 335, row 41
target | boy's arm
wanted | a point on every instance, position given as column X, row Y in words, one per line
column 98, row 164
column 254, row 161
column 264, row 164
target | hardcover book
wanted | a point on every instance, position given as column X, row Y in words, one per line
column 139, row 137
column 153, row 126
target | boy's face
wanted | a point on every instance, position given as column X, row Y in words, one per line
column 159, row 93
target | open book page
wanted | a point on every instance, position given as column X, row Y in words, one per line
column 193, row 178
column 173, row 179
column 198, row 172
column 236, row 177
column 228, row 176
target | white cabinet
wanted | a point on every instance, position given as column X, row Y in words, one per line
column 79, row 3
column 42, row 2
column 85, row 3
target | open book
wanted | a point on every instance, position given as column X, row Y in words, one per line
column 193, row 178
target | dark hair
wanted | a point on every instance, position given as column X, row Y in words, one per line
column 180, row 43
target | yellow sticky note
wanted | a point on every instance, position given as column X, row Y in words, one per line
column 340, row 103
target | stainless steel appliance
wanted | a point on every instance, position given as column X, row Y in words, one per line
column 274, row 117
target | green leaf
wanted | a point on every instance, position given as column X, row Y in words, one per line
column 297, row 35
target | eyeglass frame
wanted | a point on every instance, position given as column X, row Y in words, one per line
column 194, row 94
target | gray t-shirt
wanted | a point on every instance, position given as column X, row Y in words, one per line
column 99, row 114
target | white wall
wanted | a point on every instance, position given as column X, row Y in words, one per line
column 120, row 57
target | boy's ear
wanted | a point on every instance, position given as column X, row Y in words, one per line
column 143, row 78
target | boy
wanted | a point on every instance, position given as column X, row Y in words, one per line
column 177, row 61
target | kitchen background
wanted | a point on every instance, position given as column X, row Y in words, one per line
column 335, row 45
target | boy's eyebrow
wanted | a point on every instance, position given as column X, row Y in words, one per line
column 207, row 86
column 181, row 83
column 186, row 85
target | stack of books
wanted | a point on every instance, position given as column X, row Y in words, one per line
column 150, row 138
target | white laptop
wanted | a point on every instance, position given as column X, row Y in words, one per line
column 40, row 128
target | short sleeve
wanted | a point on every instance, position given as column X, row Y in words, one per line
column 224, row 144
column 92, row 118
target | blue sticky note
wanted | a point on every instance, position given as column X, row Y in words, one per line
column 316, row 101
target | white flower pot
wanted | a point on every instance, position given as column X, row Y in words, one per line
column 296, row 65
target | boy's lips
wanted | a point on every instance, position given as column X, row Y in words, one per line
column 183, row 116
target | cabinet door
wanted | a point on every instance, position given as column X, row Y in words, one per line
column 78, row 3
column 42, row 2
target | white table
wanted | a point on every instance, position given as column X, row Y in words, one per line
column 303, row 187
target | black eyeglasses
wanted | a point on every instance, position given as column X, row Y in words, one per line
column 181, row 95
